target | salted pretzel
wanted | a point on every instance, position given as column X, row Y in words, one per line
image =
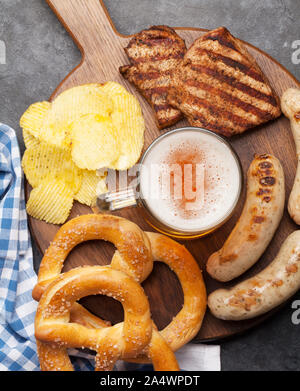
column 55, row 333
column 186, row 323
column 133, row 255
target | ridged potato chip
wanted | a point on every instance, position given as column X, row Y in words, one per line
column 87, row 194
column 44, row 160
column 29, row 140
column 94, row 142
column 33, row 118
column 51, row 201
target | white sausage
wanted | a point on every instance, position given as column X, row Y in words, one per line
column 257, row 224
column 269, row 288
column 290, row 104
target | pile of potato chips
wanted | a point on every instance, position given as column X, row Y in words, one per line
column 85, row 129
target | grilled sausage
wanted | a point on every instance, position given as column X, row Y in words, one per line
column 268, row 289
column 290, row 104
column 257, row 224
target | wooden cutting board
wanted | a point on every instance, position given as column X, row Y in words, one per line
column 102, row 53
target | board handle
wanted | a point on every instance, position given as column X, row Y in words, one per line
column 87, row 21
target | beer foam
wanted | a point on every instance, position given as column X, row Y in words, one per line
column 220, row 179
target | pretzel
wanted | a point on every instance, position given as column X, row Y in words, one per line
column 133, row 255
column 186, row 324
column 54, row 332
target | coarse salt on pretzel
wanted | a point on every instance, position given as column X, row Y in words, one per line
column 186, row 324
column 55, row 333
column 133, row 254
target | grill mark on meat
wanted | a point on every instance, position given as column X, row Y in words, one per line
column 158, row 90
column 148, row 76
column 218, row 93
column 161, row 107
column 235, row 83
column 200, row 120
column 208, row 79
column 246, row 69
column 222, row 41
column 219, row 112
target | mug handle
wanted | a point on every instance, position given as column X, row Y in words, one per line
column 111, row 201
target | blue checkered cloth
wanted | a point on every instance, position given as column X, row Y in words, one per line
column 17, row 276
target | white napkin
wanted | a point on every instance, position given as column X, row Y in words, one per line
column 199, row 357
column 191, row 357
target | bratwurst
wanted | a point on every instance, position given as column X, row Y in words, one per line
column 290, row 104
column 257, row 224
column 268, row 289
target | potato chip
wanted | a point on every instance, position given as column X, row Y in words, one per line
column 87, row 194
column 130, row 125
column 53, row 126
column 45, row 160
column 70, row 141
column 51, row 201
column 128, row 120
column 112, row 88
column 94, row 142
column 70, row 106
column 126, row 103
column 101, row 187
column 33, row 118
column 29, row 140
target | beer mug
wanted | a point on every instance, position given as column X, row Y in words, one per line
column 189, row 182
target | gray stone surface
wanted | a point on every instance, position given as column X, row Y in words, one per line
column 39, row 54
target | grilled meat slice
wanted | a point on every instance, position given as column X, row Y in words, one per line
column 219, row 86
column 154, row 55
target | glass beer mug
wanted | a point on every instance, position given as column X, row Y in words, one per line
column 189, row 182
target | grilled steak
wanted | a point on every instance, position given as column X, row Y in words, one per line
column 219, row 86
column 154, row 55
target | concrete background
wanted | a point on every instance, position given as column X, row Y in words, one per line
column 39, row 54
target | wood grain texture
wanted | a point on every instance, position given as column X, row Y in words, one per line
column 102, row 53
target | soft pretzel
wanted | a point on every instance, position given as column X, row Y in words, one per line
column 55, row 333
column 187, row 322
column 133, row 254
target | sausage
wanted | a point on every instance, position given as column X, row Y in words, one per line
column 290, row 104
column 257, row 224
column 269, row 288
